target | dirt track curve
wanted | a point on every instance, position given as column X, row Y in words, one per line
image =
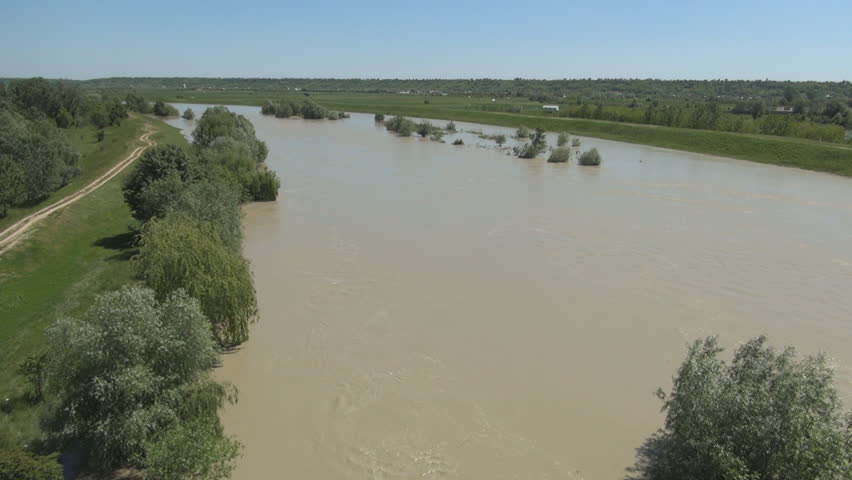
column 10, row 236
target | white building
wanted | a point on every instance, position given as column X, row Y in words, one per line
column 551, row 108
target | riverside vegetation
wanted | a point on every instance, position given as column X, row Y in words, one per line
column 747, row 143
column 126, row 382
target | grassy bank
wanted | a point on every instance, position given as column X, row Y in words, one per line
column 95, row 159
column 77, row 253
column 785, row 151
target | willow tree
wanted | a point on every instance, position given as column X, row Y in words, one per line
column 130, row 368
column 179, row 251
column 220, row 122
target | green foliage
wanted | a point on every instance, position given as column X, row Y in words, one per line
column 188, row 114
column 536, row 145
column 120, row 375
column 264, row 185
column 562, row 139
column 590, row 158
column 522, row 132
column 575, row 142
column 424, row 129
column 451, row 127
column 37, row 158
column 766, row 415
column 379, row 118
column 21, row 465
column 162, row 109
column 220, row 122
column 437, row 135
column 195, row 450
column 167, row 166
column 402, row 126
column 180, row 252
column 458, row 141
column 559, row 155
column 137, row 103
column 34, row 369
column 11, row 184
column 215, row 200
column 500, row 139
column 101, row 135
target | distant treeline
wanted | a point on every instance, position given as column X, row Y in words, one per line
column 543, row 90
column 306, row 109
column 36, row 157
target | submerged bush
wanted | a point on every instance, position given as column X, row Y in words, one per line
column 379, row 118
column 264, row 185
column 162, row 109
column 562, row 139
column 451, row 127
column 575, row 142
column 424, row 129
column 458, row 141
column 500, row 139
column 522, row 132
column 591, row 158
column 268, row 108
column 401, row 125
column 534, row 147
column 188, row 114
column 283, row 110
column 559, row 155
column 219, row 122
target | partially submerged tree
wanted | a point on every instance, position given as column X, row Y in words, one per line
column 562, row 139
column 522, row 132
column 379, row 118
column 590, row 158
column 559, row 155
column 188, row 114
column 181, row 252
column 764, row 415
column 536, row 145
column 219, row 122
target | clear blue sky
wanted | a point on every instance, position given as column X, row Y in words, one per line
column 751, row 39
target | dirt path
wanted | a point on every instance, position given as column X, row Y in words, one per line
column 10, row 236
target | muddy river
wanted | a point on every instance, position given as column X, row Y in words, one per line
column 439, row 311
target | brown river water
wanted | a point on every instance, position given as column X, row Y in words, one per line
column 434, row 311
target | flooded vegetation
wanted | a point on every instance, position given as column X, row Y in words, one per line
column 429, row 311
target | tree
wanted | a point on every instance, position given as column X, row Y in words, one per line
column 451, row 127
column 562, row 139
column 11, row 184
column 34, row 369
column 180, row 252
column 220, row 122
column 536, row 145
column 424, row 129
column 766, row 415
column 216, row 201
column 379, row 118
column 155, row 164
column 196, row 450
column 162, row 109
column 500, row 139
column 188, row 114
column 43, row 156
column 560, row 155
column 126, row 371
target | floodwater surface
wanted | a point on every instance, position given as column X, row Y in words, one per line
column 435, row 311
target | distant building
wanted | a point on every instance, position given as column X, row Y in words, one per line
column 550, row 108
column 783, row 109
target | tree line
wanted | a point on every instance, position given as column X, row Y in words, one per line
column 36, row 157
column 621, row 90
column 306, row 109
column 129, row 383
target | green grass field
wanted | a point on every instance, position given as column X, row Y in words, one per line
column 786, row 151
column 95, row 158
column 72, row 256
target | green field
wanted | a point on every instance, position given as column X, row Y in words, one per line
column 58, row 269
column 786, row 151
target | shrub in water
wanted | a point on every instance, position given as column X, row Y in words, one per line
column 379, row 118
column 451, row 127
column 562, row 139
column 560, row 155
column 523, row 132
column 458, row 141
column 591, row 158
column 575, row 142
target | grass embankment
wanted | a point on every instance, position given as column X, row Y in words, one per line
column 785, row 151
column 77, row 253
column 95, row 159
